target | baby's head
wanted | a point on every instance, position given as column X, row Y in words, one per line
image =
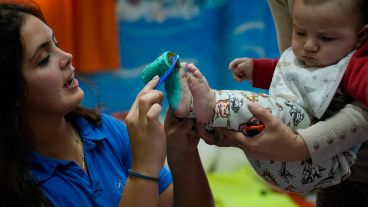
column 324, row 31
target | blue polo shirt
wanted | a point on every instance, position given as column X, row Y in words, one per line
column 108, row 157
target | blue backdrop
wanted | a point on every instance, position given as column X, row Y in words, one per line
column 209, row 33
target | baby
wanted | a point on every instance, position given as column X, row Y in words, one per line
column 304, row 85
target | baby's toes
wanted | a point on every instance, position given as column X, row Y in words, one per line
column 192, row 80
column 198, row 75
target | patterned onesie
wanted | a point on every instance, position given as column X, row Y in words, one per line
column 298, row 95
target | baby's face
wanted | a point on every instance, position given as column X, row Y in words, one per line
column 324, row 33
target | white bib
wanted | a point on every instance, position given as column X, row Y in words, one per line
column 310, row 87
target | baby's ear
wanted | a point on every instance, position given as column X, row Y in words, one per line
column 362, row 36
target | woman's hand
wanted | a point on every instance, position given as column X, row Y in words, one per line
column 146, row 132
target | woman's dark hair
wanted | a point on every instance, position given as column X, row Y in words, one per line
column 18, row 187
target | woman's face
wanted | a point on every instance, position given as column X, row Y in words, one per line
column 48, row 72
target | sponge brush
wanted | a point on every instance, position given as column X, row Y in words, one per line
column 172, row 84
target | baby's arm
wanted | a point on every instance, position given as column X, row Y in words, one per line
column 355, row 80
column 242, row 68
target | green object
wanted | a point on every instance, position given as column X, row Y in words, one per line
column 172, row 83
column 242, row 188
column 158, row 66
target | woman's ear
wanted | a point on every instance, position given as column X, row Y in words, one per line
column 362, row 36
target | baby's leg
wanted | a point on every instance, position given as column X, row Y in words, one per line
column 295, row 176
column 203, row 96
column 178, row 93
column 232, row 111
column 302, row 176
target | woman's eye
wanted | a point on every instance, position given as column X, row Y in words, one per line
column 300, row 33
column 44, row 61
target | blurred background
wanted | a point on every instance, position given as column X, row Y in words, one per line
column 209, row 33
column 112, row 41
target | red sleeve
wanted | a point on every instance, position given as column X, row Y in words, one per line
column 263, row 69
column 355, row 81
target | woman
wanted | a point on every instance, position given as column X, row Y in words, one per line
column 56, row 153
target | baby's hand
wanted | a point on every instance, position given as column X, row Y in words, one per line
column 242, row 68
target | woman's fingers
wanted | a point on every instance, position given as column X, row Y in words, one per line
column 148, row 87
column 146, row 102
column 153, row 113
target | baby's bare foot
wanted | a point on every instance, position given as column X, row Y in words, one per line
column 178, row 92
column 203, row 95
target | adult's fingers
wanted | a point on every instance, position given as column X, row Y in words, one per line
column 153, row 113
column 216, row 137
column 146, row 101
column 177, row 127
column 149, row 86
column 261, row 113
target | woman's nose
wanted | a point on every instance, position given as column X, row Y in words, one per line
column 66, row 60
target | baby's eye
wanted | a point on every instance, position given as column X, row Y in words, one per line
column 327, row 39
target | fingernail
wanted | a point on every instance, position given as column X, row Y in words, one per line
column 156, row 77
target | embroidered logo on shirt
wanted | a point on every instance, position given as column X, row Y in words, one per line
column 119, row 185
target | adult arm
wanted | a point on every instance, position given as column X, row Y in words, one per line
column 147, row 138
column 191, row 186
column 271, row 143
column 347, row 128
column 281, row 10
